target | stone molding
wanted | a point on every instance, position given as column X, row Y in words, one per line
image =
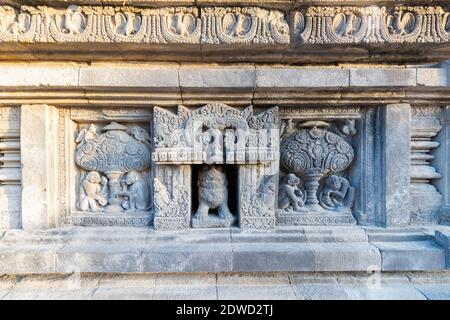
column 225, row 25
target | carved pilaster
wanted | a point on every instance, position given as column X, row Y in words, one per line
column 425, row 199
column 10, row 168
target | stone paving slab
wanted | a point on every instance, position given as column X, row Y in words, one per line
column 210, row 286
column 435, row 292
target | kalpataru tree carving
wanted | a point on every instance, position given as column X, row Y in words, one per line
column 112, row 162
column 214, row 137
column 315, row 155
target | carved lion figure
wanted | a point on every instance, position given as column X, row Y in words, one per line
column 212, row 192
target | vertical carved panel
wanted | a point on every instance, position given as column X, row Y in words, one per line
column 10, row 172
column 426, row 200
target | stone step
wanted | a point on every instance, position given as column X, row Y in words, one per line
column 411, row 255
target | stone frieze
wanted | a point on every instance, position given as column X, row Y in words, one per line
column 215, row 26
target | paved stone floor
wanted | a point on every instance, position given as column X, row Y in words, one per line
column 416, row 285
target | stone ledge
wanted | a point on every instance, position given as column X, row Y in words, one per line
column 309, row 249
column 194, row 77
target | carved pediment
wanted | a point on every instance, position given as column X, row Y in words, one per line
column 216, row 133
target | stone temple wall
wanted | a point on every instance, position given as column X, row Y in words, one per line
column 282, row 136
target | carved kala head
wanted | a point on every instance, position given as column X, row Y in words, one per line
column 314, row 150
column 113, row 151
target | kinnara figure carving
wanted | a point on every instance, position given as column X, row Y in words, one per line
column 212, row 194
column 337, row 193
column 290, row 196
column 93, row 192
column 116, row 152
column 137, row 192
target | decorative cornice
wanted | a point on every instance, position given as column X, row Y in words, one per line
column 225, row 25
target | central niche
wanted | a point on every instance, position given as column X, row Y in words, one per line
column 214, row 195
column 222, row 160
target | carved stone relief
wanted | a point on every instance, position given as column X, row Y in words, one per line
column 215, row 137
column 313, row 188
column 112, row 161
column 10, row 168
column 426, row 200
column 104, row 167
column 226, row 25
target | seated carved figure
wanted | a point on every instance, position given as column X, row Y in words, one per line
column 290, row 197
column 212, row 193
column 93, row 192
column 137, row 192
column 337, row 194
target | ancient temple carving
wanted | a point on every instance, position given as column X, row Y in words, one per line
column 216, row 136
column 212, row 186
column 225, row 25
column 113, row 154
column 317, row 156
column 290, row 195
column 426, row 200
column 238, row 137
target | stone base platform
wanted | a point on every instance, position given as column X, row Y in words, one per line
column 285, row 249
column 235, row 286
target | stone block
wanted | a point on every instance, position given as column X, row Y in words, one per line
column 99, row 258
column 45, row 294
column 432, row 77
column 383, row 293
column 408, row 256
column 251, row 279
column 235, row 78
column 260, row 292
column 28, row 259
column 185, row 279
column 443, row 239
column 292, row 78
column 39, row 75
column 320, row 292
column 435, row 292
column 3, row 293
column 131, row 76
column 124, row 293
column 304, row 257
column 188, row 258
column 185, row 293
column 395, row 164
column 383, row 77
column 38, row 158
column 111, row 281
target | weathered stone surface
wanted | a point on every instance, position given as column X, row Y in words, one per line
column 435, row 292
column 395, row 77
column 45, row 75
column 198, row 77
column 133, row 293
column 304, row 257
column 420, row 255
column 395, row 140
column 269, row 78
column 320, row 292
column 383, row 293
column 133, row 76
